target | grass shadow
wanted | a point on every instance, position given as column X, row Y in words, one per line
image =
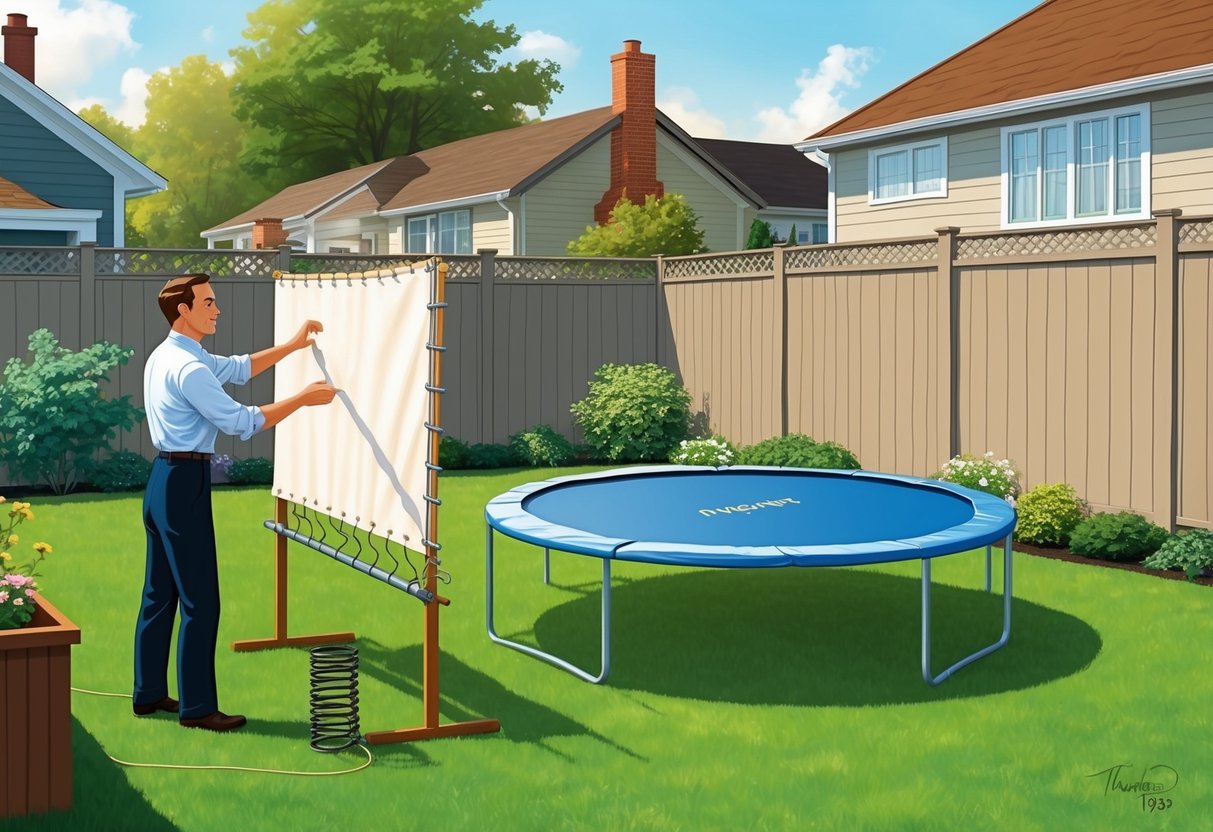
column 848, row 637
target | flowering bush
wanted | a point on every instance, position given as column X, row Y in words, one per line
column 17, row 582
column 221, row 464
column 984, row 473
column 714, row 451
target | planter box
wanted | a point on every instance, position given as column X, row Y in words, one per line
column 36, row 713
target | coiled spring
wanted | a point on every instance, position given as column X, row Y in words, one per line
column 334, row 697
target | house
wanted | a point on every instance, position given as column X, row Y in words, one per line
column 531, row 189
column 1077, row 112
column 61, row 181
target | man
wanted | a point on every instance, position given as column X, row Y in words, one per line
column 186, row 406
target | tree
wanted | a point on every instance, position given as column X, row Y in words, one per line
column 331, row 85
column 760, row 235
column 793, row 239
column 660, row 226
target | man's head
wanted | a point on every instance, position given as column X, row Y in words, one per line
column 188, row 302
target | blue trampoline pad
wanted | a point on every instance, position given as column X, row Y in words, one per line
column 750, row 516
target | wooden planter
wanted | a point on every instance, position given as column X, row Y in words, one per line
column 36, row 713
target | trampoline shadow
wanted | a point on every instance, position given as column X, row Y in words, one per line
column 813, row 637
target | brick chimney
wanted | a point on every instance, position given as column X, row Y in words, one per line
column 19, row 45
column 268, row 233
column 633, row 142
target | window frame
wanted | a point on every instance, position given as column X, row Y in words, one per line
column 875, row 153
column 433, row 230
column 1070, row 123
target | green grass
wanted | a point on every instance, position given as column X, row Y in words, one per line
column 765, row 699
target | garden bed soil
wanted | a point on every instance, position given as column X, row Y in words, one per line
column 1066, row 554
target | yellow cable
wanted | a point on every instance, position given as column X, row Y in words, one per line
column 369, row 757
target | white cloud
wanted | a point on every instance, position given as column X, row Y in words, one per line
column 73, row 42
column 682, row 105
column 208, row 34
column 132, row 110
column 819, row 103
column 539, row 45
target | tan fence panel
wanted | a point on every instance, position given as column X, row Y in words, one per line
column 1195, row 382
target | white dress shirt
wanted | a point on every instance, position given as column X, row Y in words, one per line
column 184, row 397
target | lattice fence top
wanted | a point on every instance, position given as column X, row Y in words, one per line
column 1063, row 241
column 1196, row 231
column 350, row 263
column 171, row 263
column 761, row 261
column 461, row 268
column 39, row 261
column 560, row 268
column 875, row 254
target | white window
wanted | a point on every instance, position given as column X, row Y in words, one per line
column 910, row 171
column 1081, row 169
column 821, row 233
column 449, row 232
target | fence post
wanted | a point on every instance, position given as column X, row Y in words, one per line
column 88, row 294
column 487, row 368
column 779, row 334
column 659, row 312
column 1166, row 407
column 284, row 258
column 949, row 305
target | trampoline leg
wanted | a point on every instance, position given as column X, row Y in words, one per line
column 535, row 651
column 987, row 567
column 926, row 619
column 547, row 565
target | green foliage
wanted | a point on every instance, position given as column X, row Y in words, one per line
column 633, row 412
column 983, row 473
column 122, row 471
column 1123, row 536
column 760, row 235
column 1048, row 514
column 792, row 236
column 797, row 450
column 541, row 445
column 254, row 471
column 490, row 455
column 53, row 413
column 1190, row 552
column 660, row 226
column 327, row 86
column 714, row 451
column 452, row 453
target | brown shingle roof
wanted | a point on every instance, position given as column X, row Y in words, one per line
column 13, row 195
column 780, row 174
column 1060, row 45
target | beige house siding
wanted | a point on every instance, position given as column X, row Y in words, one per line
column 1182, row 141
column 560, row 206
column 491, row 227
column 720, row 214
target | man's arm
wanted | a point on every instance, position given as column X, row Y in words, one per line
column 315, row 393
column 267, row 358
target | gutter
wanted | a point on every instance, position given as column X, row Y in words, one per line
column 501, row 201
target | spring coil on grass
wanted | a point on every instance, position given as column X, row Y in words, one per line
column 334, row 697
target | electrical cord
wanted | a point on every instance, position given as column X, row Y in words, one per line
column 369, row 757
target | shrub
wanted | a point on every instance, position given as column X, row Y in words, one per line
column 1189, row 552
column 983, row 473
column 255, row 471
column 122, row 471
column 54, row 416
column 662, row 225
column 485, row 455
column 798, row 451
column 541, row 445
column 633, row 412
column 1048, row 514
column 714, row 451
column 760, row 235
column 1123, row 536
column 452, row 453
column 221, row 465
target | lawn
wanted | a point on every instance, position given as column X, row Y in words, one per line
column 763, row 699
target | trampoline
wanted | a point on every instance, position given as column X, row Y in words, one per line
column 749, row 517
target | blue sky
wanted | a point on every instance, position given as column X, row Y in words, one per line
column 752, row 71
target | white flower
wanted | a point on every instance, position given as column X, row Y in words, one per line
column 983, row 481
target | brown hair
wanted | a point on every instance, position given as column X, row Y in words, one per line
column 179, row 290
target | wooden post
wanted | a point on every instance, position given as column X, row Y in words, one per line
column 949, row 305
column 1166, row 375
column 88, row 294
column 779, row 335
column 487, row 401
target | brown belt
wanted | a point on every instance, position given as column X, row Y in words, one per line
column 171, row 455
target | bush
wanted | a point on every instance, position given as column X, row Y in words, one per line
column 122, row 471
column 255, row 471
column 983, row 473
column 452, row 453
column 485, row 455
column 662, row 225
column 541, row 445
column 1123, row 536
column 634, row 412
column 1189, row 552
column 798, row 451
column 54, row 416
column 1048, row 514
column 760, row 235
column 714, row 451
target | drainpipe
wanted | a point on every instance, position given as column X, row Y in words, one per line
column 501, row 201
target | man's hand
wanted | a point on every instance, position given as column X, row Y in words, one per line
column 315, row 393
column 318, row 392
column 301, row 338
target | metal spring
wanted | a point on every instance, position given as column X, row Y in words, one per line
column 334, row 697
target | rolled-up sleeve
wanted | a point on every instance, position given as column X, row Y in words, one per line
column 205, row 392
column 232, row 369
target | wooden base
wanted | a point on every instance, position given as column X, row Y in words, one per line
column 452, row 729
column 248, row 645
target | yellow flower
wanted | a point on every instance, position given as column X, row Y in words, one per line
column 2, row 499
column 13, row 540
column 29, row 515
column 5, row 556
column 43, row 548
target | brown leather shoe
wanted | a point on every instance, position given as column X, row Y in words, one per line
column 166, row 704
column 217, row 721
